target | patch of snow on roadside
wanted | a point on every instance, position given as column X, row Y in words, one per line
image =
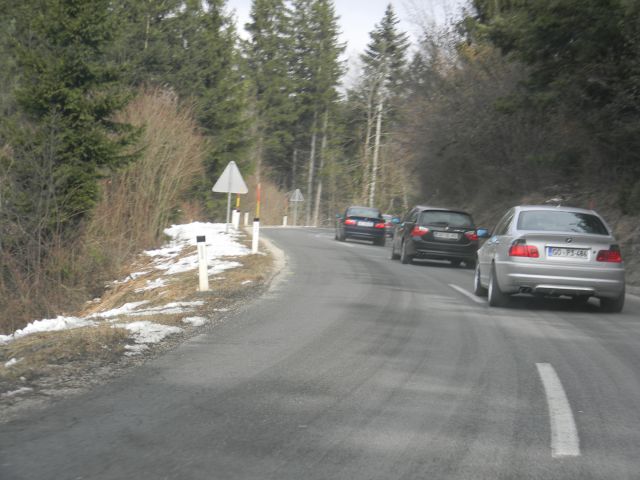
column 14, row 393
column 195, row 321
column 218, row 243
column 148, row 332
column 11, row 362
column 48, row 325
column 172, row 308
column 125, row 309
column 152, row 285
column 136, row 349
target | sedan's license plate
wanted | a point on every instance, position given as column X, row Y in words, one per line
column 562, row 252
column 365, row 224
column 445, row 235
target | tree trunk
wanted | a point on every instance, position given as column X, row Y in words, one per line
column 376, row 153
column 366, row 179
column 294, row 168
column 312, row 160
column 323, row 153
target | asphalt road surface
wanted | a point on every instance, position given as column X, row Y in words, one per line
column 357, row 367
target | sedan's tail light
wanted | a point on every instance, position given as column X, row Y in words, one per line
column 519, row 248
column 471, row 235
column 419, row 231
column 379, row 225
column 612, row 255
column 349, row 221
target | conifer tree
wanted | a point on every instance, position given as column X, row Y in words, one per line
column 384, row 62
column 268, row 63
column 67, row 95
column 206, row 72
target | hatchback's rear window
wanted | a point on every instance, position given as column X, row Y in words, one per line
column 559, row 221
column 444, row 218
column 363, row 212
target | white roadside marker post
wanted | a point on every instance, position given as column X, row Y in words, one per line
column 246, row 219
column 256, row 222
column 202, row 264
column 256, row 235
column 236, row 219
column 284, row 221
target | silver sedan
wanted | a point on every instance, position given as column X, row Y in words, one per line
column 551, row 251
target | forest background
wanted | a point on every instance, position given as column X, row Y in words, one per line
column 117, row 116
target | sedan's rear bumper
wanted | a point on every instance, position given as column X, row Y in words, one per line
column 441, row 250
column 364, row 233
column 601, row 281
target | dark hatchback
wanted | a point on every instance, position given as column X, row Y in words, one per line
column 363, row 223
column 436, row 233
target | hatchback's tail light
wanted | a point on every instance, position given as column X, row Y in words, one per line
column 349, row 221
column 471, row 235
column 612, row 255
column 379, row 225
column 519, row 248
column 419, row 231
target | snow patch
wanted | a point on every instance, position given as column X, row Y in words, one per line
column 195, row 321
column 15, row 393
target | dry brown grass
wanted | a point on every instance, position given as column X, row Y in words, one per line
column 37, row 354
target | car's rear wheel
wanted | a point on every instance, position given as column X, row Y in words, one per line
column 478, row 289
column 612, row 305
column 404, row 256
column 455, row 263
column 497, row 298
column 380, row 242
column 470, row 263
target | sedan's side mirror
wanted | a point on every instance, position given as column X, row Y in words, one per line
column 482, row 233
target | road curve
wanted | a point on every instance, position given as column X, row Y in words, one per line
column 355, row 366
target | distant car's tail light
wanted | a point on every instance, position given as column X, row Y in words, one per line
column 350, row 221
column 379, row 225
column 612, row 255
column 519, row 248
column 471, row 235
column 419, row 231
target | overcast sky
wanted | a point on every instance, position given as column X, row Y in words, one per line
column 359, row 17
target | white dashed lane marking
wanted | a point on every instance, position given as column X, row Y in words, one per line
column 564, row 434
column 467, row 294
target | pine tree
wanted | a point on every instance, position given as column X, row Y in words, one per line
column 268, row 63
column 68, row 93
column 206, row 72
column 384, row 63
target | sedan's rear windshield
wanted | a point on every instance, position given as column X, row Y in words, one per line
column 363, row 212
column 444, row 218
column 559, row 221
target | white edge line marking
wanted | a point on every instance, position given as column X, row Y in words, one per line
column 564, row 434
column 467, row 294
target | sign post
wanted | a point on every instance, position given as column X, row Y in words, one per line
column 230, row 181
column 296, row 198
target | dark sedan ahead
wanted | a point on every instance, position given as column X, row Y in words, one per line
column 363, row 223
column 436, row 233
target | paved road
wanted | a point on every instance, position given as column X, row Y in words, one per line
column 358, row 367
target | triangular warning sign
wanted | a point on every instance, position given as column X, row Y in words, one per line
column 297, row 196
column 230, row 181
